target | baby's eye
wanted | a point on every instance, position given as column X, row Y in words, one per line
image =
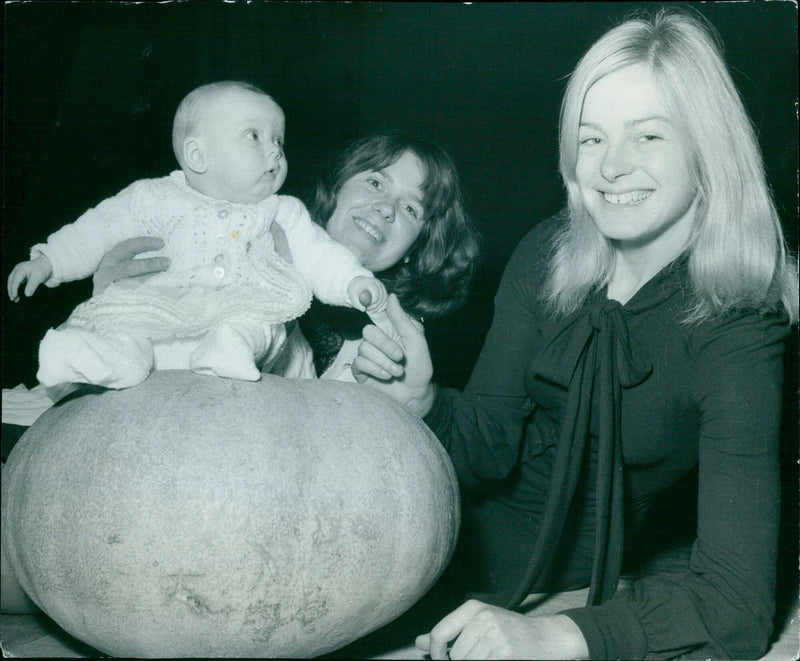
column 253, row 135
column 279, row 142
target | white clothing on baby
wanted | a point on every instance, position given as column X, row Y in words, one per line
column 22, row 406
column 224, row 274
column 296, row 361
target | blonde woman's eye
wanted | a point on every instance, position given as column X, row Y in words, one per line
column 374, row 182
column 411, row 211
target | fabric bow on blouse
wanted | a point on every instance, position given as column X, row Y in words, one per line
column 590, row 356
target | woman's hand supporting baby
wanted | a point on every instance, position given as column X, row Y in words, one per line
column 119, row 263
column 394, row 358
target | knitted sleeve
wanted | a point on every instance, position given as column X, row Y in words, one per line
column 76, row 249
column 328, row 266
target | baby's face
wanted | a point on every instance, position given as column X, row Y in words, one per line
column 243, row 134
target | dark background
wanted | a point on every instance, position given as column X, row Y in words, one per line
column 90, row 90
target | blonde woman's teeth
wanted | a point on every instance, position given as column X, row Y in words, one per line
column 633, row 197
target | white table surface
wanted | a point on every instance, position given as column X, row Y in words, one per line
column 36, row 636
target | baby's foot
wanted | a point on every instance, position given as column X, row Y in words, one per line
column 225, row 352
column 71, row 355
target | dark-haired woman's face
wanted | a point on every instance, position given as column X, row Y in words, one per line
column 379, row 214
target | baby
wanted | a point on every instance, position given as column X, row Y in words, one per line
column 221, row 306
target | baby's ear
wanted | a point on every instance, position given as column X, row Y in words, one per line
column 194, row 155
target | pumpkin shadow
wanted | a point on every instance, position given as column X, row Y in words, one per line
column 399, row 634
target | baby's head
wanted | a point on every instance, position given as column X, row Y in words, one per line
column 228, row 138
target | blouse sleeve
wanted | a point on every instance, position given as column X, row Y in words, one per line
column 723, row 606
column 482, row 428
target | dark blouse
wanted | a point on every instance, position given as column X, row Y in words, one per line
column 651, row 398
column 326, row 327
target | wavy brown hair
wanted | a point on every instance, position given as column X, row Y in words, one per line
column 441, row 263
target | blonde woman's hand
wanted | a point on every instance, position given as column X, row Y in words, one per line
column 393, row 357
column 481, row 631
column 119, row 263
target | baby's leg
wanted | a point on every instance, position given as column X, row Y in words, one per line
column 293, row 359
column 233, row 349
column 71, row 355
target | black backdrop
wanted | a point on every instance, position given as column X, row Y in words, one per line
column 90, row 89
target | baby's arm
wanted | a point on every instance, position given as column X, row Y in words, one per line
column 328, row 266
column 34, row 272
column 367, row 293
column 75, row 250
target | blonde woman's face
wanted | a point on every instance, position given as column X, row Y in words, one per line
column 634, row 168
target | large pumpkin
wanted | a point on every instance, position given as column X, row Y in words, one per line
column 199, row 516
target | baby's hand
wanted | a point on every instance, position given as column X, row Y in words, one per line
column 367, row 294
column 34, row 272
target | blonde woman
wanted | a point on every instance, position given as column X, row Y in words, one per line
column 637, row 338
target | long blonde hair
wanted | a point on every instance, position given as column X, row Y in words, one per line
column 737, row 255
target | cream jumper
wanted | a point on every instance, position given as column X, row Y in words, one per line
column 223, row 266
